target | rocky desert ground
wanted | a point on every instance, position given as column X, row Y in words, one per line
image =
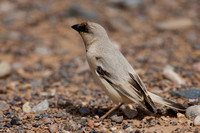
column 45, row 81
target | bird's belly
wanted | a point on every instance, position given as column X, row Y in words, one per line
column 113, row 94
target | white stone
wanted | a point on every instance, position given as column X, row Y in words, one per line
column 173, row 76
column 5, row 69
column 197, row 120
column 26, row 107
column 192, row 111
column 41, row 107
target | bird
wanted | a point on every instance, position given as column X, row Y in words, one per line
column 113, row 72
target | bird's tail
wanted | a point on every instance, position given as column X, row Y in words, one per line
column 157, row 99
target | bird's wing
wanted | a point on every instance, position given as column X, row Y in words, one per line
column 131, row 88
column 139, row 85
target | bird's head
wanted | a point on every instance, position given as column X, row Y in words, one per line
column 90, row 32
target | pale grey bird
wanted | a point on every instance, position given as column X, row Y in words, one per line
column 114, row 73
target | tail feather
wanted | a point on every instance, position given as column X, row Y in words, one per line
column 169, row 103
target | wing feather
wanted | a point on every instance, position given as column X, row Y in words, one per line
column 131, row 89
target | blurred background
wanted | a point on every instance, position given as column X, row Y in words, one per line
column 42, row 57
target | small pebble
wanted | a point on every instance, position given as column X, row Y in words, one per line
column 4, row 106
column 179, row 115
column 46, row 120
column 117, row 119
column 83, row 121
column 42, row 106
column 173, row 76
column 26, row 108
column 197, row 120
column 192, row 93
column 193, row 111
column 164, row 118
column 84, row 111
column 5, row 69
column 90, row 123
column 173, row 123
column 97, row 124
column 59, row 115
column 96, row 117
column 129, row 129
column 53, row 128
column 72, row 126
column 113, row 128
column 14, row 121
column 130, row 113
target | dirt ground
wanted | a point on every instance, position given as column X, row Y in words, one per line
column 44, row 59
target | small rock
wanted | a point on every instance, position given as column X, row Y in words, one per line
column 96, row 124
column 191, row 102
column 173, row 123
column 83, row 121
column 179, row 115
column 197, row 120
column 46, row 120
column 117, row 119
column 192, row 111
column 42, row 106
column 62, row 102
column 130, row 113
column 42, row 50
column 129, row 129
column 53, row 128
column 113, row 128
column 84, row 111
column 175, row 24
column 26, row 108
column 96, row 117
column 164, row 118
column 59, row 115
column 196, row 66
column 4, row 106
column 90, row 123
column 189, row 94
column 171, row 75
column 71, row 126
column 14, row 121
column 5, row 69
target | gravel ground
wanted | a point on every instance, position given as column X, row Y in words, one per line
column 45, row 82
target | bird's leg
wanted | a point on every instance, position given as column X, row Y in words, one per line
column 111, row 110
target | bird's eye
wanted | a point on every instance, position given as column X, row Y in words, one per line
column 84, row 28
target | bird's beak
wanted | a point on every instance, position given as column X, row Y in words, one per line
column 76, row 27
